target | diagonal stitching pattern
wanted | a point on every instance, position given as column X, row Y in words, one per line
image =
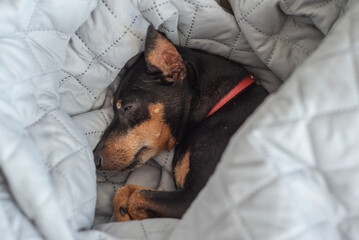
column 152, row 8
column 335, row 112
column 79, row 82
column 93, row 53
column 124, row 25
column 278, row 36
column 100, row 55
column 354, row 61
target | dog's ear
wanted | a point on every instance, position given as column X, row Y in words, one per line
column 161, row 55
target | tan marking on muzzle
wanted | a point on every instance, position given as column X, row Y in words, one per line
column 152, row 136
column 181, row 170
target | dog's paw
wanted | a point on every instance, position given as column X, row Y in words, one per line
column 130, row 204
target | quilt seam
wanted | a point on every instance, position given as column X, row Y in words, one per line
column 64, row 127
column 32, row 15
column 191, row 26
column 212, row 40
column 103, row 53
column 100, row 58
column 157, row 11
column 79, row 82
column 234, row 44
column 32, row 53
column 124, row 25
column 197, row 4
column 144, row 230
column 51, row 168
column 151, row 8
column 249, row 12
column 46, row 112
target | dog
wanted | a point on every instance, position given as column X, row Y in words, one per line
column 174, row 97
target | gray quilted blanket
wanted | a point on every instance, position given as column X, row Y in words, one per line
column 291, row 172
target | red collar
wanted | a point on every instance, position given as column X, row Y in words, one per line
column 247, row 81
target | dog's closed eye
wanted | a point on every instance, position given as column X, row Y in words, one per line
column 127, row 108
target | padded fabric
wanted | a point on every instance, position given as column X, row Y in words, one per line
column 290, row 172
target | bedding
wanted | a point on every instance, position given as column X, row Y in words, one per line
column 291, row 171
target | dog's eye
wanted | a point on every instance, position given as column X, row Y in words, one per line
column 127, row 108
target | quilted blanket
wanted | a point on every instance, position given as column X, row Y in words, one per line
column 290, row 172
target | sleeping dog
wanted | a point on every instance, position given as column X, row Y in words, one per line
column 174, row 96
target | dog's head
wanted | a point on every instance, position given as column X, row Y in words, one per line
column 148, row 105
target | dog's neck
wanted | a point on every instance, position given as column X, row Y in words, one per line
column 211, row 77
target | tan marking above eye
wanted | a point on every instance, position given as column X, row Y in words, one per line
column 181, row 170
column 156, row 109
column 118, row 104
column 111, row 101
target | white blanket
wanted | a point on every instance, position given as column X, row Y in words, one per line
column 291, row 171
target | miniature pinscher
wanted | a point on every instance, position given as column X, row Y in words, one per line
column 174, row 96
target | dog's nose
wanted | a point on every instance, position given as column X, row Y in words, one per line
column 98, row 155
column 98, row 158
column 98, row 161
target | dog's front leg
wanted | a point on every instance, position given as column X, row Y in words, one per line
column 133, row 202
